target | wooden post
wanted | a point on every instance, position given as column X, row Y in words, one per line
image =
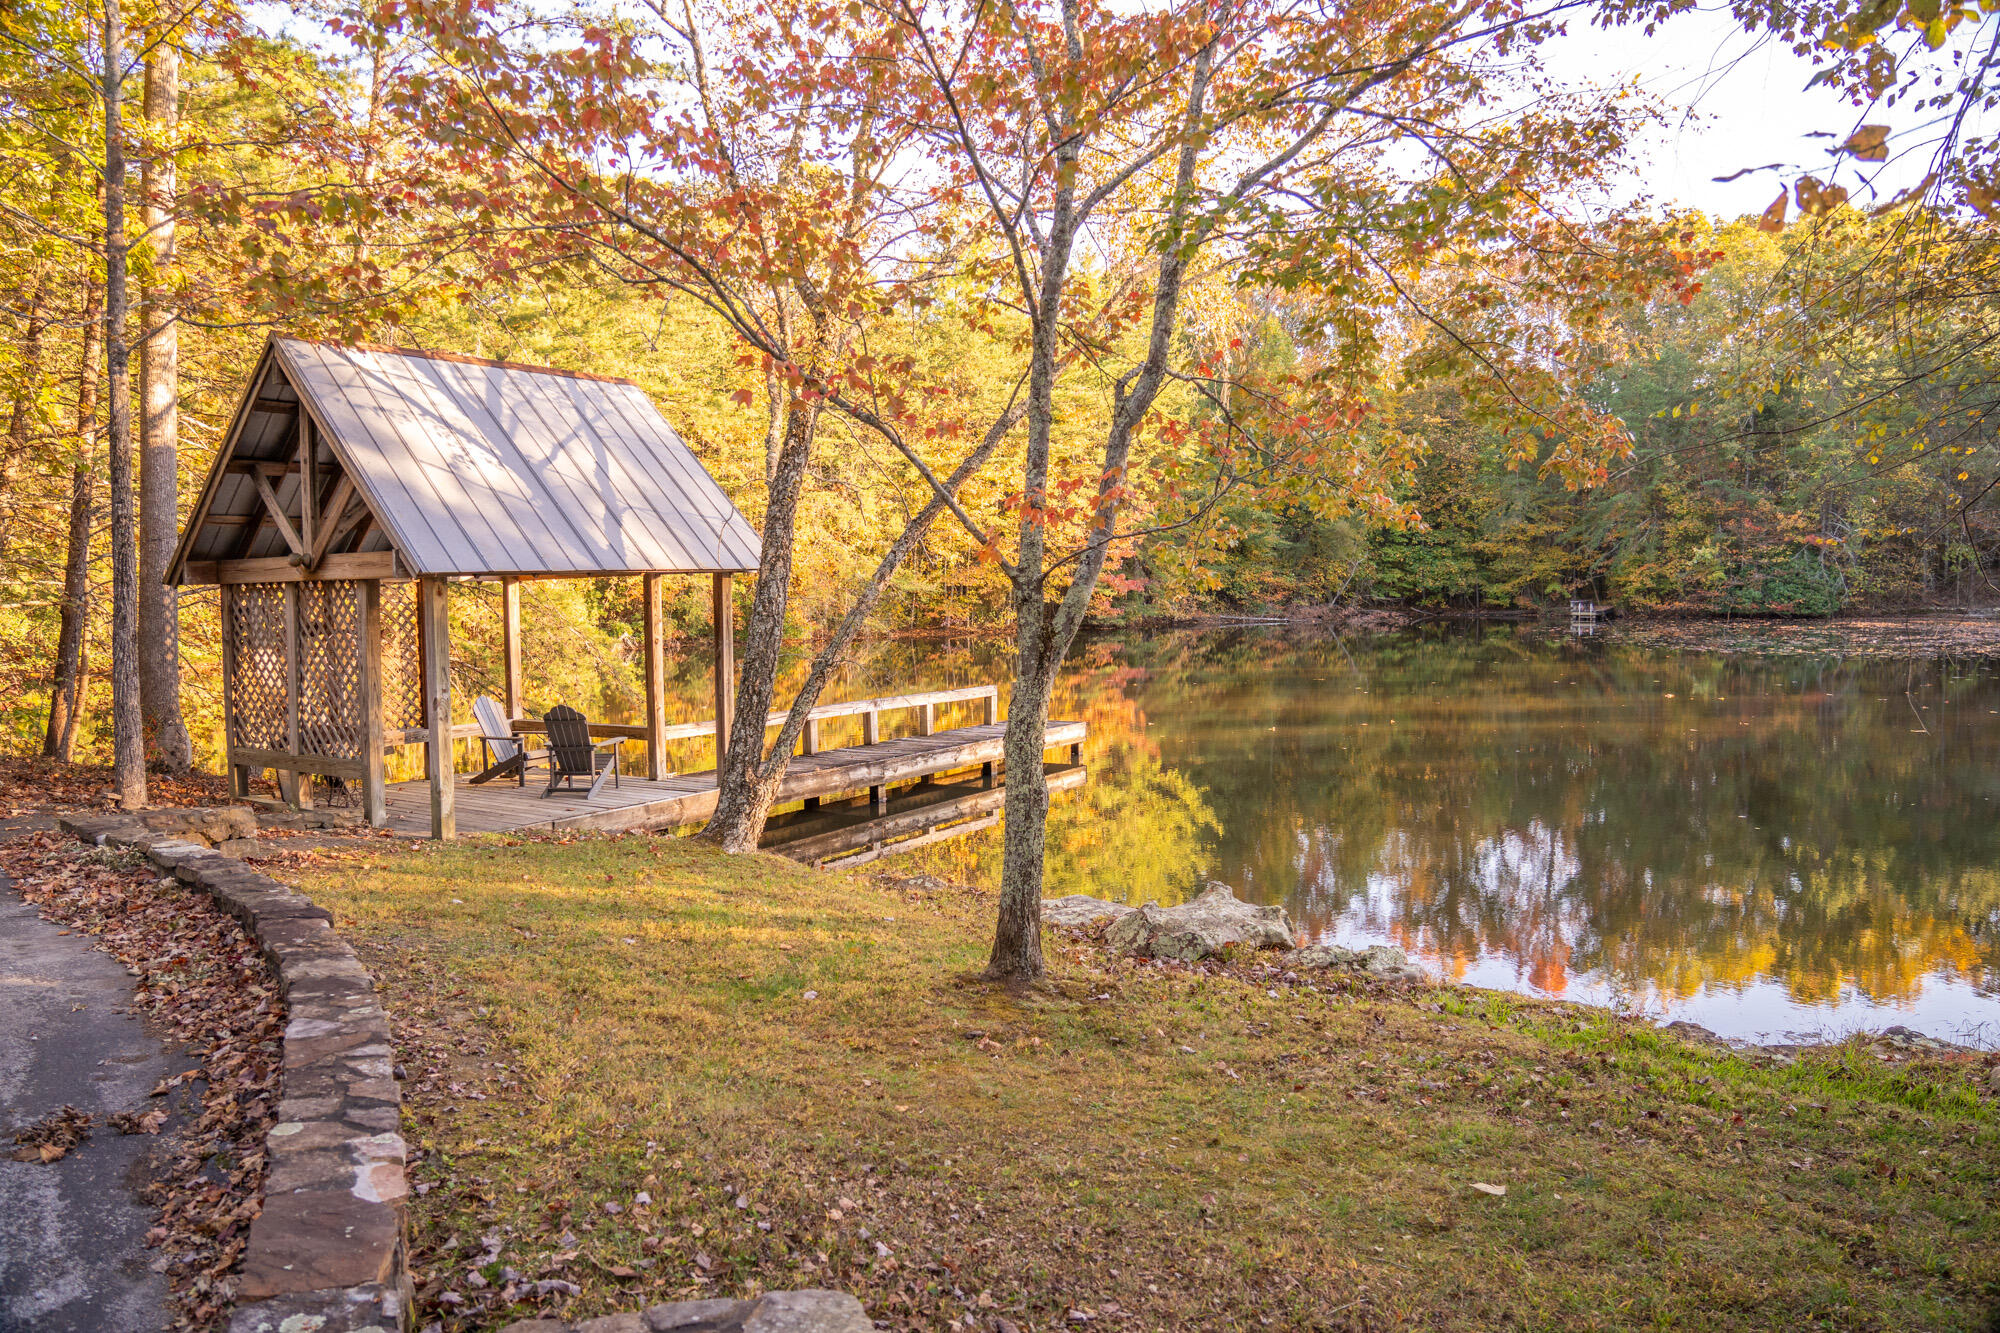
column 926, row 719
column 809, row 744
column 722, row 609
column 433, row 614
column 374, row 803
column 656, row 682
column 239, row 777
column 986, row 770
column 510, row 643
column 295, row 787
column 871, row 732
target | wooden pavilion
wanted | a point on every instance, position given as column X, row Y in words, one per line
column 355, row 482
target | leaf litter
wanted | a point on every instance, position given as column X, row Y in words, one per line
column 198, row 976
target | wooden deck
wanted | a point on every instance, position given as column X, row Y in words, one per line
column 641, row 803
column 853, row 832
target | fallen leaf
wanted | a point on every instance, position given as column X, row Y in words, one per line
column 1497, row 1191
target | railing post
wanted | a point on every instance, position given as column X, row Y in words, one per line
column 871, row 732
column 809, row 744
column 374, row 805
column 926, row 719
column 987, row 770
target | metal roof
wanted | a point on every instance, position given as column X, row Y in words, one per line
column 475, row 467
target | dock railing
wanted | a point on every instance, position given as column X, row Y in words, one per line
column 924, row 704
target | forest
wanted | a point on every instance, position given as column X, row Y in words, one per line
column 993, row 336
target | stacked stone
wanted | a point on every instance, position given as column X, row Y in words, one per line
column 327, row 1251
column 773, row 1312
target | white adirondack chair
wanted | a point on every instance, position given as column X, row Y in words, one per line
column 505, row 752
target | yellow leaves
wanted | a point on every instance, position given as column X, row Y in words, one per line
column 1982, row 197
column 1870, row 143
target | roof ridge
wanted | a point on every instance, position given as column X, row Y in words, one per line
column 430, row 355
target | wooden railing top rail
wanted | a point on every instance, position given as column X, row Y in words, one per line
column 689, row 731
column 854, row 708
column 681, row 731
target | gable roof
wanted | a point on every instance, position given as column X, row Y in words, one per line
column 467, row 467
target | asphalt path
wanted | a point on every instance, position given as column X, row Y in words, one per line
column 72, row 1257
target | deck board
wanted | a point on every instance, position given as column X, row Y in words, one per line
column 643, row 803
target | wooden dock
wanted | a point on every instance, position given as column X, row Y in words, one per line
column 664, row 803
column 855, row 831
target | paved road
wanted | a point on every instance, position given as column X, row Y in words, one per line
column 71, row 1253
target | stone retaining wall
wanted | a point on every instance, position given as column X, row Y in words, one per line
column 327, row 1253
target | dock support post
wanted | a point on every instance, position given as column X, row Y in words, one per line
column 656, row 682
column 434, row 615
column 510, row 643
column 987, row 772
column 374, row 797
column 722, row 607
column 871, row 732
column 809, row 744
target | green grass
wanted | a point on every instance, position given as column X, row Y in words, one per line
column 585, row 1020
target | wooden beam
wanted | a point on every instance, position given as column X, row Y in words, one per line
column 300, row 764
column 308, row 499
column 270, row 467
column 374, row 777
column 278, row 516
column 281, row 569
column 722, row 609
column 434, row 614
column 329, row 532
column 510, row 642
column 656, row 680
column 275, row 405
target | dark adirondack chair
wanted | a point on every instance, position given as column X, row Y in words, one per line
column 573, row 755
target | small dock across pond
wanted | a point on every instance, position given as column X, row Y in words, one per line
column 874, row 767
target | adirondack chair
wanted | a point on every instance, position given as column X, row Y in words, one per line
column 505, row 752
column 573, row 755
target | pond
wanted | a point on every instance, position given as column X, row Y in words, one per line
column 1780, row 834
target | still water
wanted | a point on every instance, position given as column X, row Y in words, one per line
column 1775, row 834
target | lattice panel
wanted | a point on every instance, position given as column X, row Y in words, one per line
column 329, row 683
column 402, row 664
column 260, row 707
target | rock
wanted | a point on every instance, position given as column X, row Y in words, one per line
column 1377, row 960
column 1078, row 911
column 1993, row 1081
column 813, row 1311
column 688, row 1316
column 614, row 1323
column 1317, row 957
column 1197, row 929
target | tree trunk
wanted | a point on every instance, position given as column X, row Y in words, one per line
column 159, row 429
column 20, row 417
column 127, row 722
column 70, row 679
column 752, row 806
column 1017, row 935
column 738, row 778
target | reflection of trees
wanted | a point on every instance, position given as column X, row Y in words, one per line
column 1671, row 820
column 1134, row 832
column 1679, row 821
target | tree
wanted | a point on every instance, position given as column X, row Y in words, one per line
column 127, row 720
column 159, row 422
column 1096, row 163
column 757, row 190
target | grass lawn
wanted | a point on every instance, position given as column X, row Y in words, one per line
column 639, row 1071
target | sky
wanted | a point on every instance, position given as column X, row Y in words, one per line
column 1739, row 102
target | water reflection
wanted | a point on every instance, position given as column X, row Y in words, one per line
column 1764, row 844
